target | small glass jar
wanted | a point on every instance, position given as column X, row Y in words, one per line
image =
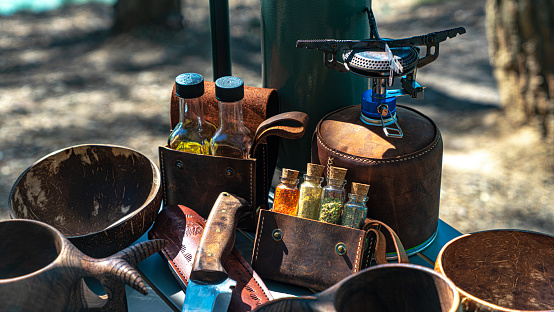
column 355, row 211
column 286, row 193
column 310, row 192
column 310, row 197
column 333, row 196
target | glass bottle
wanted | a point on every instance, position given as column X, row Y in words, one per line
column 333, row 196
column 193, row 133
column 355, row 210
column 286, row 193
column 232, row 138
column 309, row 199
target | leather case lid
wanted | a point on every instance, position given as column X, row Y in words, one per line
column 344, row 131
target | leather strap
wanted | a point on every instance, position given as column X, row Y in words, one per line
column 271, row 126
column 381, row 242
column 183, row 228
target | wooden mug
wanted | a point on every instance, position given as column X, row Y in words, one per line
column 389, row 287
column 501, row 270
column 40, row 270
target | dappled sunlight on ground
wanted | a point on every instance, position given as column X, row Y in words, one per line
column 66, row 80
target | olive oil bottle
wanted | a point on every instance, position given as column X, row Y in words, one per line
column 193, row 133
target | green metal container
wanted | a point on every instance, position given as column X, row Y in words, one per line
column 302, row 80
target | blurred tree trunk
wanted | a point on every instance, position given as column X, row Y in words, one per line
column 131, row 14
column 521, row 48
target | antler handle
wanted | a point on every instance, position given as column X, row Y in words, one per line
column 120, row 266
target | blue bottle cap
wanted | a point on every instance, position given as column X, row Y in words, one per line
column 229, row 89
column 189, row 85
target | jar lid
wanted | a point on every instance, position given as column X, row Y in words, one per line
column 229, row 89
column 360, row 188
column 315, row 170
column 289, row 174
column 189, row 85
column 337, row 173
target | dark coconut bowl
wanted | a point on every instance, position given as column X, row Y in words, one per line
column 101, row 197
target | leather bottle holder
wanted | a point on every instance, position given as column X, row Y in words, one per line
column 316, row 254
column 196, row 180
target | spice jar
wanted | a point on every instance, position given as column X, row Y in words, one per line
column 286, row 193
column 310, row 192
column 333, row 196
column 355, row 210
column 193, row 133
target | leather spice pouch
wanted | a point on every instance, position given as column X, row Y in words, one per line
column 196, row 180
column 315, row 254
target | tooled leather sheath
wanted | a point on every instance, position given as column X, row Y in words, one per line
column 183, row 228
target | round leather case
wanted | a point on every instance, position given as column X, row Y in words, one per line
column 404, row 173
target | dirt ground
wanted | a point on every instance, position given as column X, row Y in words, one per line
column 66, row 80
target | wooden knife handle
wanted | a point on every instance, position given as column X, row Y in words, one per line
column 218, row 238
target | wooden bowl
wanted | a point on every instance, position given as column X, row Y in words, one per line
column 101, row 197
column 502, row 270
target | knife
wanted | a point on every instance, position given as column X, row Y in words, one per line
column 209, row 287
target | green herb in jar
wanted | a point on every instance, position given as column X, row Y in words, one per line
column 331, row 209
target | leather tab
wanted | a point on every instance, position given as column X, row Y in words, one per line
column 381, row 242
column 271, row 126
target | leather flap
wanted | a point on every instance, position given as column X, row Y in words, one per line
column 305, row 252
column 196, row 180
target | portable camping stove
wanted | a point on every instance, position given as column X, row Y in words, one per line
column 382, row 60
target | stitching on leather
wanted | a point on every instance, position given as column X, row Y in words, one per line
column 259, row 238
column 166, row 254
column 264, row 165
column 369, row 251
column 163, row 176
column 365, row 160
column 251, row 186
column 358, row 253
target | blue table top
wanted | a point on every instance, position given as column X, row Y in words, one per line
column 165, row 294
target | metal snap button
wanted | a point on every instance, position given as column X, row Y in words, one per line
column 340, row 248
column 277, row 234
column 230, row 172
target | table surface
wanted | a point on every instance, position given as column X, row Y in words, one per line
column 165, row 294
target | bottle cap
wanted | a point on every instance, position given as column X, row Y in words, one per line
column 315, row 170
column 337, row 173
column 360, row 189
column 229, row 89
column 289, row 174
column 189, row 85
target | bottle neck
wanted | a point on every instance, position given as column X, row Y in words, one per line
column 230, row 114
column 289, row 182
column 191, row 109
column 313, row 179
column 336, row 182
column 358, row 199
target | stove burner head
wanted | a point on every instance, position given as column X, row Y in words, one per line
column 376, row 64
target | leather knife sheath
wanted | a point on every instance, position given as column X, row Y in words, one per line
column 183, row 228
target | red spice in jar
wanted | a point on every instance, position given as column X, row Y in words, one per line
column 286, row 193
